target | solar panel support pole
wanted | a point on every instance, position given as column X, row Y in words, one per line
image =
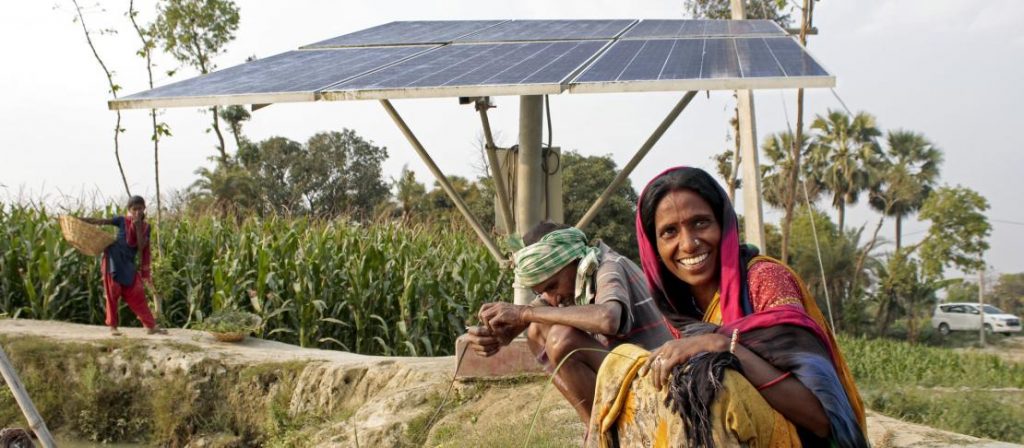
column 492, row 159
column 753, row 216
column 640, row 154
column 35, row 421
column 447, row 186
column 529, row 174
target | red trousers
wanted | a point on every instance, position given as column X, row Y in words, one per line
column 134, row 296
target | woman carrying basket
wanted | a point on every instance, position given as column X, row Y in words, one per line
column 120, row 276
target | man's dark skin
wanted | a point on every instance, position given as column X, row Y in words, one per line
column 558, row 329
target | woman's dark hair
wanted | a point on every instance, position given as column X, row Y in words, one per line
column 538, row 231
column 694, row 179
column 136, row 200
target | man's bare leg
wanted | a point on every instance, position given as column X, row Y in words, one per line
column 577, row 376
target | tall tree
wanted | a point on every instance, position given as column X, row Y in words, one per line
column 958, row 234
column 409, row 193
column 1009, row 293
column 838, row 251
column 727, row 165
column 776, row 174
column 146, row 35
column 796, row 149
column 956, row 239
column 584, row 178
column 114, row 88
column 194, row 32
column 234, row 116
column 908, row 171
column 342, row 173
column 841, row 154
column 226, row 190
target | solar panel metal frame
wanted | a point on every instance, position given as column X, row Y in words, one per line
column 481, row 35
column 144, row 99
column 637, row 31
column 576, row 86
column 338, row 93
column 357, row 35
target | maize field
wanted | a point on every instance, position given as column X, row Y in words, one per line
column 383, row 289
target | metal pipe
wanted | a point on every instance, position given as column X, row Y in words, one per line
column 640, row 154
column 35, row 421
column 499, row 181
column 530, row 174
column 447, row 186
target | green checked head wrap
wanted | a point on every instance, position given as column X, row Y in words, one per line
column 543, row 259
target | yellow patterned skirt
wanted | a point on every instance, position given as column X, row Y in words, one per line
column 629, row 412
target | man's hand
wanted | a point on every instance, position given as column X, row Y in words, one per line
column 504, row 320
column 481, row 341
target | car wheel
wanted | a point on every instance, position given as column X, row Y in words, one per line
column 944, row 329
column 988, row 328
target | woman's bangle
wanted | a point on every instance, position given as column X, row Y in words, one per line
column 775, row 381
column 734, row 340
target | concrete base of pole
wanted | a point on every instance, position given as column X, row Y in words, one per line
column 513, row 360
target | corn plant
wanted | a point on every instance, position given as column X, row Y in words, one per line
column 382, row 288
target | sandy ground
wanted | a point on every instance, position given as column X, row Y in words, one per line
column 884, row 432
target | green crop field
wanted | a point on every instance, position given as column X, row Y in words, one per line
column 384, row 289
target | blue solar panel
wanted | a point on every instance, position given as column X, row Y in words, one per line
column 720, row 59
column 537, row 30
column 512, row 57
column 534, row 65
column 673, row 29
column 793, row 59
column 694, row 63
column 408, row 33
column 295, row 72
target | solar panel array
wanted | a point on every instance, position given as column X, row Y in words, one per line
column 512, row 57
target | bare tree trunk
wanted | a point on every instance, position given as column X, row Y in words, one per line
column 113, row 90
column 794, row 175
column 842, row 215
column 862, row 258
column 220, row 137
column 899, row 232
column 731, row 181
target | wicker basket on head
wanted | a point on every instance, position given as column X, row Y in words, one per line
column 87, row 238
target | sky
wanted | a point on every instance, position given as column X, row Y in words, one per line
column 949, row 69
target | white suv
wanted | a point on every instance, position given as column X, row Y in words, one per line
column 964, row 316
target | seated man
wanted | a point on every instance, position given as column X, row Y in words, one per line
column 589, row 297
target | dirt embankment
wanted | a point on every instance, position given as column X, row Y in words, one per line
column 186, row 389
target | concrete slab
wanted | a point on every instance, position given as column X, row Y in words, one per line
column 514, row 359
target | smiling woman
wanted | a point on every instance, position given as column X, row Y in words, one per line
column 753, row 362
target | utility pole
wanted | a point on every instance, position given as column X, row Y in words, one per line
column 753, row 216
column 981, row 304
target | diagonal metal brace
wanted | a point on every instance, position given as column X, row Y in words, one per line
column 640, row 154
column 447, row 186
column 492, row 158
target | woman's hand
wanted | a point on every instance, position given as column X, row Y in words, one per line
column 673, row 353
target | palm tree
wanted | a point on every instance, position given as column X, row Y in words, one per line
column 776, row 175
column 227, row 189
column 842, row 154
column 906, row 175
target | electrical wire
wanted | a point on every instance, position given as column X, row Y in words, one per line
column 814, row 229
